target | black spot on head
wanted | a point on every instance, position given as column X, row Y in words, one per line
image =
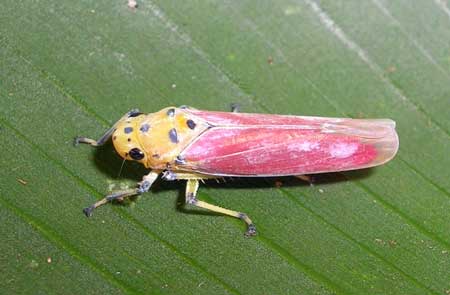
column 129, row 139
column 173, row 135
column 114, row 137
column 191, row 124
column 136, row 154
column 128, row 130
column 145, row 127
column 171, row 112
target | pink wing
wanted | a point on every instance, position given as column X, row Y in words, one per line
column 240, row 144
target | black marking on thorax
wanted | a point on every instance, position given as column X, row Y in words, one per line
column 144, row 127
column 191, row 124
column 173, row 136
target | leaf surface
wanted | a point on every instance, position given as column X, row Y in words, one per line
column 71, row 68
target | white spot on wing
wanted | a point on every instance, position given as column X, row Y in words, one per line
column 305, row 146
column 308, row 146
column 343, row 150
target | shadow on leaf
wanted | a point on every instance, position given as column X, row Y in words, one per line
column 110, row 163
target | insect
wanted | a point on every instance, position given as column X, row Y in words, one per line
column 189, row 144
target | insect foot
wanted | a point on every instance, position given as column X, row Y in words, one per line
column 76, row 141
column 88, row 211
column 251, row 228
column 251, row 231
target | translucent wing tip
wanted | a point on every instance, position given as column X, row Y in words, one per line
column 378, row 133
column 387, row 144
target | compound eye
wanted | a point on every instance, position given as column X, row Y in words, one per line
column 136, row 154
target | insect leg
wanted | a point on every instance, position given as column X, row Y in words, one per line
column 235, row 108
column 143, row 187
column 191, row 193
column 171, row 175
column 309, row 179
column 104, row 138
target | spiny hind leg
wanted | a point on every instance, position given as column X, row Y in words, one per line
column 191, row 199
column 143, row 187
column 104, row 138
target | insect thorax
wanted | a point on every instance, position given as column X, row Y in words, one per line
column 164, row 134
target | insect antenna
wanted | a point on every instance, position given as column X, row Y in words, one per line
column 121, row 167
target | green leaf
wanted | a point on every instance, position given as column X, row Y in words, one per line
column 72, row 68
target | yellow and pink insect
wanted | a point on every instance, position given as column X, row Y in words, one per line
column 189, row 144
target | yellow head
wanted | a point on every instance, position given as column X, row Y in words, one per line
column 156, row 139
column 126, row 139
